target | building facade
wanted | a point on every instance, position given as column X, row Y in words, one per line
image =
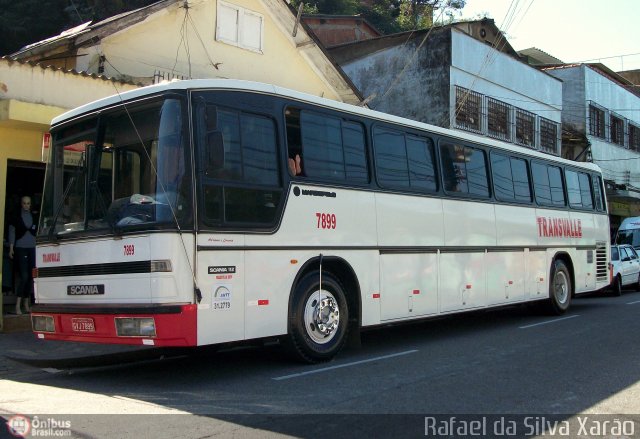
column 463, row 76
column 30, row 96
column 601, row 122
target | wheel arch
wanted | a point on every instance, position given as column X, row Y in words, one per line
column 345, row 273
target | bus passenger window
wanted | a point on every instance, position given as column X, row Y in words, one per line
column 464, row 170
column 573, row 189
column 585, row 190
column 294, row 141
column 548, row 186
column 597, row 194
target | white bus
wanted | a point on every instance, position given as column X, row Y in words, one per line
column 213, row 211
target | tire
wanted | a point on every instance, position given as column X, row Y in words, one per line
column 559, row 288
column 616, row 288
column 309, row 339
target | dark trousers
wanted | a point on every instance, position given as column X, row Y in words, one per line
column 25, row 260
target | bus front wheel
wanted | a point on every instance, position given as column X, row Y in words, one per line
column 318, row 320
column 560, row 288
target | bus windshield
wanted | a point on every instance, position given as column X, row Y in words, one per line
column 127, row 169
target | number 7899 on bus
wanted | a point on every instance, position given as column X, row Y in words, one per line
column 326, row 220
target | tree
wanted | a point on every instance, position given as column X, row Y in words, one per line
column 25, row 22
column 389, row 16
column 419, row 14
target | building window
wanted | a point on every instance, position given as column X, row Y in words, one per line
column 525, row 128
column 617, row 130
column 548, row 136
column 239, row 27
column 468, row 106
column 499, row 120
column 596, row 121
column 634, row 138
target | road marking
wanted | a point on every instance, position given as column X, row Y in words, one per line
column 325, row 369
column 633, row 303
column 549, row 321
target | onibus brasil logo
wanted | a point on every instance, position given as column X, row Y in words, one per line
column 22, row 426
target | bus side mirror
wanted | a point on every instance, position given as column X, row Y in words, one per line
column 215, row 150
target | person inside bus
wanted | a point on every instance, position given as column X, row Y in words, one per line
column 22, row 249
column 295, row 165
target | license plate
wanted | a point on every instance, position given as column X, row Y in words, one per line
column 82, row 324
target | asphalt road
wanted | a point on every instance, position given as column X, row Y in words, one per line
column 493, row 366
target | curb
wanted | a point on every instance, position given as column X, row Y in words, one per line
column 13, row 323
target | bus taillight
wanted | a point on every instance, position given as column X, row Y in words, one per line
column 610, row 272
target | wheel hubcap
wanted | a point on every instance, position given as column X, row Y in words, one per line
column 561, row 287
column 321, row 316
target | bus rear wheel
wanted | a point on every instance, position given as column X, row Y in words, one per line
column 560, row 288
column 318, row 320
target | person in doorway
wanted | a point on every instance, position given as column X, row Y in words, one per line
column 22, row 249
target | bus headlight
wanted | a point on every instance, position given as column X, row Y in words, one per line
column 161, row 266
column 135, row 326
column 43, row 324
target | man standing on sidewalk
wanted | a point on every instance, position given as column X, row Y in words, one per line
column 22, row 249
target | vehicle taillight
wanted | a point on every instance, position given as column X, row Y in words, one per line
column 610, row 272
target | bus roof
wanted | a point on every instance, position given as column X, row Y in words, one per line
column 258, row 87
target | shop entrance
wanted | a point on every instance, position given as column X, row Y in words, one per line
column 23, row 178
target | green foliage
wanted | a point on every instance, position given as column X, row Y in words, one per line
column 420, row 14
column 389, row 16
column 24, row 22
column 382, row 14
column 27, row 21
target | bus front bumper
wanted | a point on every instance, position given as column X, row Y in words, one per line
column 158, row 325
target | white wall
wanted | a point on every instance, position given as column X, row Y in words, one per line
column 53, row 87
column 477, row 66
column 614, row 159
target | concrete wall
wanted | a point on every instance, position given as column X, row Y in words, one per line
column 573, row 97
column 406, row 81
column 51, row 87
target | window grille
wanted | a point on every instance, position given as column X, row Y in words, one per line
column 525, row 128
column 468, row 106
column 548, row 136
column 596, row 122
column 617, row 130
column 499, row 120
column 634, row 138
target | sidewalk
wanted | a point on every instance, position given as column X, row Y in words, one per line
column 18, row 343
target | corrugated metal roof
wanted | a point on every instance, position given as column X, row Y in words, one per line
column 10, row 61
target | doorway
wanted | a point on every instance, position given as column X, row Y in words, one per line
column 23, row 178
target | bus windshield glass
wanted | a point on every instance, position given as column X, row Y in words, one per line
column 127, row 169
